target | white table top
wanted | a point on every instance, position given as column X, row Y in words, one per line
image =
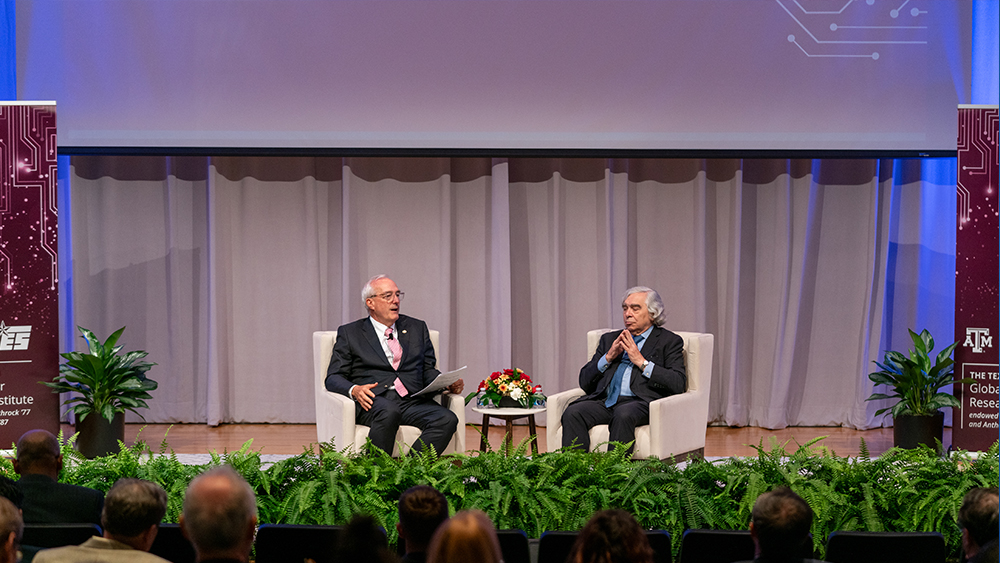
column 496, row 411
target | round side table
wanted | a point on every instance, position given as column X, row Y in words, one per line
column 509, row 415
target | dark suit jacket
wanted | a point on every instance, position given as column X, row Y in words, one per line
column 50, row 502
column 358, row 358
column 663, row 348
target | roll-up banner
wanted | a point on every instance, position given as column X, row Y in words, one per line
column 29, row 299
column 975, row 424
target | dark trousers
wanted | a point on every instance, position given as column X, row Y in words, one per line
column 622, row 419
column 388, row 411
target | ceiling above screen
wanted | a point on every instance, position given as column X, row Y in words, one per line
column 499, row 74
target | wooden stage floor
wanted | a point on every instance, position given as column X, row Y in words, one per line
column 292, row 438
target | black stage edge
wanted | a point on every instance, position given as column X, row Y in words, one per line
column 504, row 153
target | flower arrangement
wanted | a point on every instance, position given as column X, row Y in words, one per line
column 507, row 388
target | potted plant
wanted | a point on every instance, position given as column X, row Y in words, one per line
column 916, row 381
column 104, row 384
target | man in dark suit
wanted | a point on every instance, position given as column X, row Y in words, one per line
column 380, row 362
column 46, row 501
column 630, row 369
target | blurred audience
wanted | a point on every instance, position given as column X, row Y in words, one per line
column 11, row 528
column 220, row 516
column 780, row 527
column 466, row 537
column 362, row 540
column 133, row 510
column 979, row 519
column 611, row 536
column 46, row 501
column 421, row 510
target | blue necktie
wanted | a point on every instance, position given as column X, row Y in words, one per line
column 615, row 388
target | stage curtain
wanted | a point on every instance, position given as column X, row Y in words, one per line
column 222, row 268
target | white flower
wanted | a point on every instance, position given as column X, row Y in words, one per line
column 516, row 393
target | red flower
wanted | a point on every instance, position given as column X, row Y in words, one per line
column 537, row 389
column 495, row 375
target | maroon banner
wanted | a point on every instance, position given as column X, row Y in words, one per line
column 975, row 424
column 29, row 300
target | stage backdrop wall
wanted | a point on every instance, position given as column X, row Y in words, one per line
column 223, row 267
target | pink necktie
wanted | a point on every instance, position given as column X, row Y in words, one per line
column 395, row 348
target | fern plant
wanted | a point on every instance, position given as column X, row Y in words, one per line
column 900, row 490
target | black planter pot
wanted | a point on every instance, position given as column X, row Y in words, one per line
column 508, row 403
column 98, row 437
column 910, row 431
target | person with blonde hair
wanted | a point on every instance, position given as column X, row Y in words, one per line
column 467, row 536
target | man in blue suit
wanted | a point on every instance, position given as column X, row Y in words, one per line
column 380, row 362
column 630, row 369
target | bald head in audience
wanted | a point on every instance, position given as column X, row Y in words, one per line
column 220, row 515
column 38, row 454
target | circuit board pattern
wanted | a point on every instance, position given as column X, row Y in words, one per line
column 854, row 28
column 976, row 292
column 29, row 300
column 28, row 234
column 977, row 259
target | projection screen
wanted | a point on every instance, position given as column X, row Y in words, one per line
column 499, row 74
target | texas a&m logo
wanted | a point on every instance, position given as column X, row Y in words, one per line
column 977, row 339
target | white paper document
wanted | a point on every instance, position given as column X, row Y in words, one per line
column 441, row 381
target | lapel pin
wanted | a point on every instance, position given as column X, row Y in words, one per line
column 404, row 332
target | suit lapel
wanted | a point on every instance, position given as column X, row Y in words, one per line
column 369, row 331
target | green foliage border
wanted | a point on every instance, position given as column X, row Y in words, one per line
column 900, row 490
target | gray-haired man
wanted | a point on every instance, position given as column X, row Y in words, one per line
column 630, row 369
column 220, row 516
column 133, row 510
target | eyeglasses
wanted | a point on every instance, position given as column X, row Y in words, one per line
column 387, row 296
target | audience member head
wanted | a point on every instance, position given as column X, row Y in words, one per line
column 979, row 518
column 466, row 536
column 780, row 523
column 10, row 490
column 38, row 453
column 421, row 510
column 362, row 540
column 220, row 515
column 611, row 536
column 11, row 528
column 133, row 510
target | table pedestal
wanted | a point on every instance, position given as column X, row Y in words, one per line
column 509, row 415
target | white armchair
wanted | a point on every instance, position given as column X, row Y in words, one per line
column 335, row 412
column 676, row 423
